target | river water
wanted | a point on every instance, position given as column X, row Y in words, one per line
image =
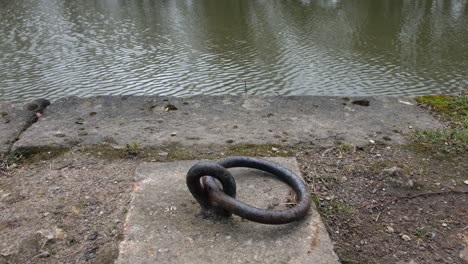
column 57, row 48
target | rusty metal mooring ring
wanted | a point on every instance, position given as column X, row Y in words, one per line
column 222, row 201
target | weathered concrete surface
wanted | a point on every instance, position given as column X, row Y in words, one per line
column 224, row 119
column 162, row 225
column 15, row 117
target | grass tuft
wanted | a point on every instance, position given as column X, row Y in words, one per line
column 455, row 137
column 445, row 140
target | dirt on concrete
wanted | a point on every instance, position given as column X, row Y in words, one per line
column 154, row 121
column 69, row 209
column 15, row 117
column 380, row 204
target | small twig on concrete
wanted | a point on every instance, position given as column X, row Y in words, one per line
column 430, row 193
column 332, row 136
column 322, row 179
column 348, row 260
column 395, row 198
column 368, row 205
column 326, row 151
column 378, row 215
column 315, row 190
column 325, row 179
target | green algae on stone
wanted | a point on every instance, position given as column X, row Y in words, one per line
column 134, row 148
column 452, row 108
column 32, row 106
column 362, row 102
column 110, row 140
column 170, row 107
column 38, row 154
column 176, row 151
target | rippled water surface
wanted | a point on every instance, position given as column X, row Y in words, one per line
column 57, row 48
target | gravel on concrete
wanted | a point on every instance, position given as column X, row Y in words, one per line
column 15, row 117
column 204, row 120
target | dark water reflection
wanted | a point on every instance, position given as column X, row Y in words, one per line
column 55, row 48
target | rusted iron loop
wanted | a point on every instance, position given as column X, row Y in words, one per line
column 222, row 201
column 198, row 191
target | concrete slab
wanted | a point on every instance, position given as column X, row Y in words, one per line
column 163, row 225
column 205, row 120
column 15, row 117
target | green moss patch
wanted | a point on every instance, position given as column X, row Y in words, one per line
column 452, row 108
column 173, row 152
column 31, row 155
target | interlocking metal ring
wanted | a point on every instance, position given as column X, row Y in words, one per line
column 213, row 199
